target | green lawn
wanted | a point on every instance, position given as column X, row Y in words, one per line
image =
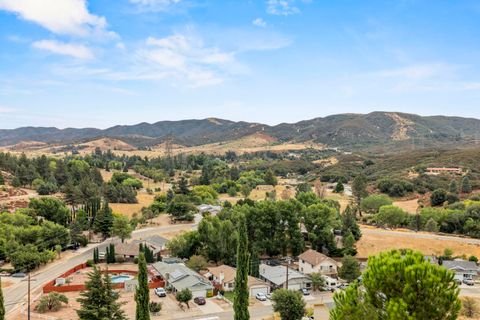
column 229, row 296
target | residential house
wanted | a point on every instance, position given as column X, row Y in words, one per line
column 131, row 250
column 463, row 269
column 177, row 276
column 312, row 261
column 225, row 276
column 157, row 243
column 207, row 208
column 276, row 277
column 437, row 171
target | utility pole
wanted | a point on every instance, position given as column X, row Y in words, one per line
column 28, row 301
column 286, row 265
column 29, row 288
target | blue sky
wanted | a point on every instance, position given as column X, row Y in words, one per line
column 99, row 63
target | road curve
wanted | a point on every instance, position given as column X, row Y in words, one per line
column 16, row 295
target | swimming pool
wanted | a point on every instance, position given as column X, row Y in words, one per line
column 120, row 278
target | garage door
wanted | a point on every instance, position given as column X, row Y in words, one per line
column 255, row 290
column 199, row 293
column 294, row 286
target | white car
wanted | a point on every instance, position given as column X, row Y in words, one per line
column 160, row 292
column 261, row 296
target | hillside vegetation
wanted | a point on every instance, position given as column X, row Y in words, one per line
column 351, row 131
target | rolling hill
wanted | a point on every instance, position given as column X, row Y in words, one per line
column 344, row 130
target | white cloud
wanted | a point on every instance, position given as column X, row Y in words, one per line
column 155, row 5
column 282, row 7
column 69, row 17
column 259, row 22
column 6, row 110
column 185, row 57
column 120, row 45
column 154, row 2
column 68, row 49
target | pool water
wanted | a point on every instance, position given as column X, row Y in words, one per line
column 120, row 278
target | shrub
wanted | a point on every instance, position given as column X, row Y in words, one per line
column 394, row 187
column 155, row 307
column 391, row 216
column 51, row 302
column 438, row 197
column 372, row 203
column 431, row 225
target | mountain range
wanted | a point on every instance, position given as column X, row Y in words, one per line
column 342, row 130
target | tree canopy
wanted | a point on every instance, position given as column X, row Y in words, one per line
column 400, row 285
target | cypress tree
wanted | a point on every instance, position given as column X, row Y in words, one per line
column 142, row 294
column 2, row 306
column 112, row 253
column 240, row 304
column 107, row 255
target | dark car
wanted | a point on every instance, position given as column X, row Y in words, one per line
column 200, row 301
column 305, row 292
column 468, row 282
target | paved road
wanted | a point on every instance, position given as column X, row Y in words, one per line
column 419, row 235
column 259, row 312
column 17, row 294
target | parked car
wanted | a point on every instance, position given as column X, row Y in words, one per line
column 160, row 292
column 19, row 275
column 269, row 296
column 468, row 282
column 305, row 292
column 260, row 296
column 343, row 286
column 200, row 301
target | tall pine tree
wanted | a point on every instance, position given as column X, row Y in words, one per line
column 142, row 297
column 240, row 303
column 2, row 306
column 99, row 301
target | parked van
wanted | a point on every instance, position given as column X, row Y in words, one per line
column 330, row 283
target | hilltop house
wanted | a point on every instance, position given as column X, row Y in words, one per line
column 225, row 276
column 312, row 261
column 437, row 171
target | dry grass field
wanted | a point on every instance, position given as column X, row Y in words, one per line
column 127, row 209
column 371, row 244
column 409, row 206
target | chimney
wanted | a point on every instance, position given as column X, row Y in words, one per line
column 222, row 277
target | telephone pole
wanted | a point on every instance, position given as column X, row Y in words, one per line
column 29, row 289
column 286, row 266
column 28, row 317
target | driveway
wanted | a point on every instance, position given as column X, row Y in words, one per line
column 210, row 307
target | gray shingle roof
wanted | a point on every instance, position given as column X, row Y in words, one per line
column 181, row 277
column 460, row 265
column 278, row 275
